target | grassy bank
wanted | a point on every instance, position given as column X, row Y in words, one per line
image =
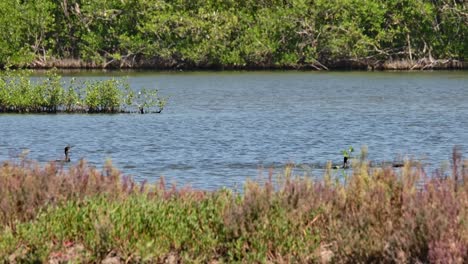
column 50, row 94
column 81, row 214
column 228, row 34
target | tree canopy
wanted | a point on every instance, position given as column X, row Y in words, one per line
column 229, row 33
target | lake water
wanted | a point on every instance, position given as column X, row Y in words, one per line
column 220, row 128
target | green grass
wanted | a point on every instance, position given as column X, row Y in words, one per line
column 378, row 215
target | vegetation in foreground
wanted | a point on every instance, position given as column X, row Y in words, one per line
column 81, row 214
column 321, row 34
column 20, row 94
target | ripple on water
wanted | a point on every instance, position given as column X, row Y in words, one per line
column 221, row 128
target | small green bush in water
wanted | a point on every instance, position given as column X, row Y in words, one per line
column 149, row 99
column 347, row 153
column 19, row 94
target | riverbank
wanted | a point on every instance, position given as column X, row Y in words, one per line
column 161, row 64
column 81, row 214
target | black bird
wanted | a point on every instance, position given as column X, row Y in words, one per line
column 345, row 162
column 67, row 154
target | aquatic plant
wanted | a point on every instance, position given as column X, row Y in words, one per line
column 103, row 96
column 347, row 152
column 147, row 99
column 19, row 94
column 82, row 214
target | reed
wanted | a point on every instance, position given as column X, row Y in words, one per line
column 82, row 214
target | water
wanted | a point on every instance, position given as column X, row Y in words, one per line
column 220, row 128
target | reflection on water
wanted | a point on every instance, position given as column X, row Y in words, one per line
column 220, row 128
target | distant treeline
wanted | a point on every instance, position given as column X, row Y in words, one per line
column 228, row 34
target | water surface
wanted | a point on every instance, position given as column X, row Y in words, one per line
column 220, row 128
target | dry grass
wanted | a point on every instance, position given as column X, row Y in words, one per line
column 26, row 186
column 422, row 64
column 68, row 63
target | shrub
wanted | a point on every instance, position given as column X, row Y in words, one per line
column 18, row 94
column 378, row 215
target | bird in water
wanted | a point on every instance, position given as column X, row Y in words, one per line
column 347, row 156
column 67, row 154
column 345, row 162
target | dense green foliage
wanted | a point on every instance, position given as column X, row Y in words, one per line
column 20, row 94
column 230, row 33
column 83, row 215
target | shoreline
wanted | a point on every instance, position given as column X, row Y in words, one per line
column 174, row 65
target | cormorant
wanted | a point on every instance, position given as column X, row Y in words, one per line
column 67, row 154
column 345, row 162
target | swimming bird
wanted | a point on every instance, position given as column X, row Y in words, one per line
column 67, row 154
column 345, row 162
